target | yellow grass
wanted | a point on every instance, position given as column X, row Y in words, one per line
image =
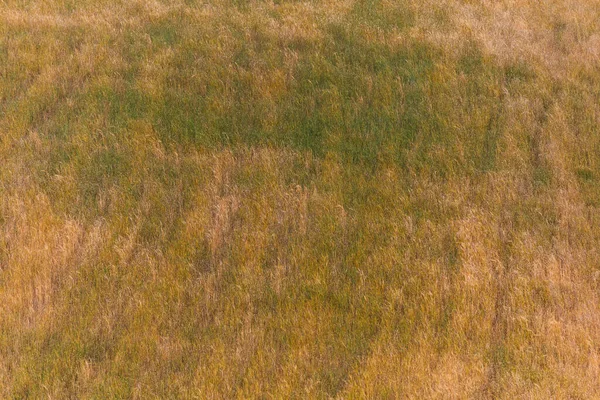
column 284, row 199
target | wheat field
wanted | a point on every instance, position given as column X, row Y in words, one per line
column 320, row 199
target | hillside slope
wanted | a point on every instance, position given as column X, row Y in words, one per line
column 319, row 199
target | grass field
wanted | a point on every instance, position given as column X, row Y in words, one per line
column 352, row 199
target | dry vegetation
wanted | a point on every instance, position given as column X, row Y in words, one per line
column 319, row 199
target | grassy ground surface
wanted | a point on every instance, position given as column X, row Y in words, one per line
column 299, row 199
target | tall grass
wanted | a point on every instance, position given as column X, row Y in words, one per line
column 332, row 199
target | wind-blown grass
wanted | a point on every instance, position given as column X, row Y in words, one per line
column 333, row 199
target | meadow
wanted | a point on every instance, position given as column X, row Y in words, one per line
column 319, row 199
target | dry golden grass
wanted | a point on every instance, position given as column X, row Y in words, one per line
column 283, row 199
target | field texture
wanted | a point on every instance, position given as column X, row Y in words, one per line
column 350, row 199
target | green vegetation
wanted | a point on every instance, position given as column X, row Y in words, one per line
column 284, row 199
